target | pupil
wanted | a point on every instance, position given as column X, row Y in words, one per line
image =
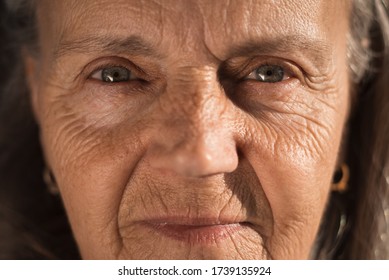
column 116, row 74
column 269, row 72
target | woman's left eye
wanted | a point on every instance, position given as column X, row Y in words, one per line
column 114, row 74
column 268, row 74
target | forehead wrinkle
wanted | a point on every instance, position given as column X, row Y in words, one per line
column 291, row 24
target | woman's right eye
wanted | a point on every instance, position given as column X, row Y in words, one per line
column 113, row 74
column 269, row 74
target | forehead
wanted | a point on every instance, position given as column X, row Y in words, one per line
column 187, row 25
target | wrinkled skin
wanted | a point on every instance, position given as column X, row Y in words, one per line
column 192, row 157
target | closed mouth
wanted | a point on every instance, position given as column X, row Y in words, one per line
column 196, row 231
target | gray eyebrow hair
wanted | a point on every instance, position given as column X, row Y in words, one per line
column 132, row 44
column 315, row 49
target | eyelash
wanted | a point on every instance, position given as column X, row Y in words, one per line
column 270, row 70
column 107, row 66
column 93, row 68
column 137, row 83
column 248, row 73
column 290, row 70
column 111, row 76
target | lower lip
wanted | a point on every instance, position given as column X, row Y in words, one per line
column 198, row 234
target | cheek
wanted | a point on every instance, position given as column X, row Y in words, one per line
column 92, row 157
column 294, row 150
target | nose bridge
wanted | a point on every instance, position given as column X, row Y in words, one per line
column 196, row 100
column 194, row 138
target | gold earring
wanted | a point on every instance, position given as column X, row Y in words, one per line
column 340, row 179
column 50, row 182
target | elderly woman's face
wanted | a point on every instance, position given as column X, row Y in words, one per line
column 192, row 129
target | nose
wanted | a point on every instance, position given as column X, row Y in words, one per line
column 194, row 136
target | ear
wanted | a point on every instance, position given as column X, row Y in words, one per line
column 31, row 71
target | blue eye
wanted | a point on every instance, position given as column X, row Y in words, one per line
column 268, row 74
column 114, row 74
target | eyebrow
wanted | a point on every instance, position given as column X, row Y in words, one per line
column 315, row 49
column 132, row 44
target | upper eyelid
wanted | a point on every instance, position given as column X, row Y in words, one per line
column 105, row 67
column 100, row 63
column 132, row 76
column 240, row 73
column 286, row 71
column 236, row 71
column 273, row 62
column 293, row 70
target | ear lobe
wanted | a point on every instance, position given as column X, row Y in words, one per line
column 31, row 67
